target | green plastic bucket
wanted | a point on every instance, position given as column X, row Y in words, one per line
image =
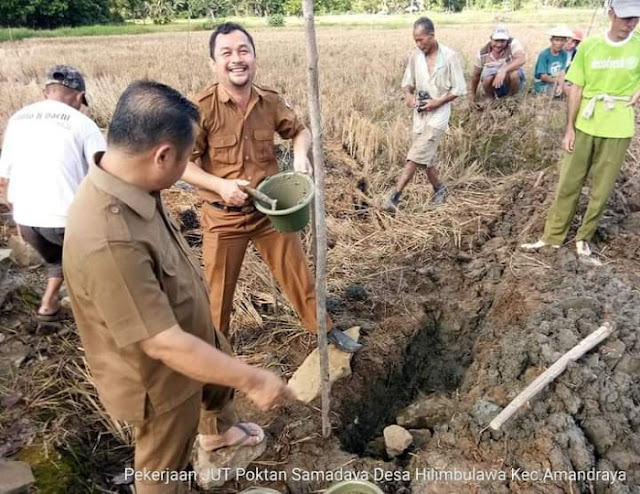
column 354, row 487
column 294, row 192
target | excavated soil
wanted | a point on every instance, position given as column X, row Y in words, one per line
column 479, row 320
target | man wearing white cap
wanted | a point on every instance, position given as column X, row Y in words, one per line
column 552, row 63
column 606, row 84
column 499, row 66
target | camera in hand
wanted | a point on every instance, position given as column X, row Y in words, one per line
column 423, row 97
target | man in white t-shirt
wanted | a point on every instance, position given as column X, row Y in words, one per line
column 499, row 66
column 47, row 148
column 432, row 80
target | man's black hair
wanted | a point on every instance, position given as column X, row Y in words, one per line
column 226, row 28
column 149, row 113
column 426, row 23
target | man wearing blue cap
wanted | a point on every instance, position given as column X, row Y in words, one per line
column 605, row 74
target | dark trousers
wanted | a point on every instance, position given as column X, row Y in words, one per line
column 48, row 243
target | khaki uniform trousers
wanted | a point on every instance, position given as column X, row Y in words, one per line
column 226, row 236
column 603, row 158
column 163, row 443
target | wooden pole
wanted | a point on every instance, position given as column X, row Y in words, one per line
column 551, row 373
column 319, row 210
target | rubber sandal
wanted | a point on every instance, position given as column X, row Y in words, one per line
column 247, row 434
column 56, row 316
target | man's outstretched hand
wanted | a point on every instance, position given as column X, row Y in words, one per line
column 268, row 391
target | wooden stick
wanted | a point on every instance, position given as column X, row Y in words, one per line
column 319, row 210
column 551, row 373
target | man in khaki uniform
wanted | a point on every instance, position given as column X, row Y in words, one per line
column 235, row 148
column 141, row 303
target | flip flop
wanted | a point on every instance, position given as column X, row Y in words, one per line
column 56, row 316
column 215, row 468
column 247, row 434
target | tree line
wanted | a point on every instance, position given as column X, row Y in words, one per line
column 50, row 14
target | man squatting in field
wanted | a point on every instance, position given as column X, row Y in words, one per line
column 605, row 74
column 235, row 148
column 141, row 302
column 47, row 149
column 499, row 66
column 433, row 78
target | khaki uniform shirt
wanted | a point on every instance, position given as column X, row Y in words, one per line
column 447, row 77
column 233, row 145
column 130, row 276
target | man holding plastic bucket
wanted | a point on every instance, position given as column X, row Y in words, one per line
column 235, row 149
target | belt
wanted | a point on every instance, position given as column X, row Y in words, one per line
column 609, row 103
column 246, row 209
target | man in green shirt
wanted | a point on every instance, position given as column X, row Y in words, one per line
column 605, row 74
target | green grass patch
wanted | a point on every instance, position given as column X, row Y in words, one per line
column 537, row 17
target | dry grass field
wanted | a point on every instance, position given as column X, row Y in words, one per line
column 486, row 156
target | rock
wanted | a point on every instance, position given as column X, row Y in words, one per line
column 356, row 292
column 396, row 439
column 15, row 477
column 215, row 468
column 421, row 437
column 23, row 254
column 426, row 413
column 305, row 383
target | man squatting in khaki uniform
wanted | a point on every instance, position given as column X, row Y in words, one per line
column 235, row 148
column 141, row 303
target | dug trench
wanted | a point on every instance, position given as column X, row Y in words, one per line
column 456, row 330
column 472, row 328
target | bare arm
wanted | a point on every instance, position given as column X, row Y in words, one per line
column 229, row 190
column 573, row 105
column 518, row 61
column 202, row 362
column 547, row 78
column 301, row 148
column 409, row 96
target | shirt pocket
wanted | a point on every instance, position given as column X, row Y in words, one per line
column 168, row 272
column 223, row 147
column 265, row 150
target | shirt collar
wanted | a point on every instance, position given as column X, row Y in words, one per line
column 224, row 96
column 143, row 203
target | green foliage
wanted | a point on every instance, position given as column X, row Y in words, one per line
column 211, row 24
column 276, row 20
column 50, row 14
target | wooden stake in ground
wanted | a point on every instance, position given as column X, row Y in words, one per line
column 551, row 373
column 319, row 209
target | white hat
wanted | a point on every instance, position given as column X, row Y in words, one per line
column 561, row 31
column 500, row 32
column 626, row 8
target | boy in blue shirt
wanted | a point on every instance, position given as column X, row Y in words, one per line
column 552, row 64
